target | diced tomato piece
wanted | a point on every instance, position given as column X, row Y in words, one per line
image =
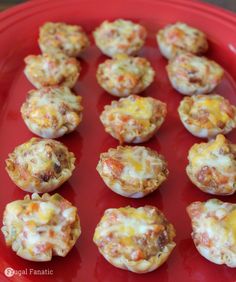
column 137, row 255
column 34, row 207
column 44, row 247
column 51, row 233
column 226, row 107
column 175, row 34
column 115, row 166
column 131, row 37
column 122, row 46
column 222, row 179
column 23, row 172
column 158, row 228
column 113, row 217
column 205, row 240
column 125, row 118
column 120, row 78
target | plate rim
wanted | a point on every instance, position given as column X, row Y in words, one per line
column 25, row 8
column 14, row 15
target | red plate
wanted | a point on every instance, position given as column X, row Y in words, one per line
column 18, row 38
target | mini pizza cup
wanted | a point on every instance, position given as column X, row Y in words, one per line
column 51, row 112
column 133, row 119
column 190, row 74
column 52, row 70
column 206, row 116
column 119, row 37
column 38, row 228
column 212, row 166
column 214, row 230
column 60, row 37
column 40, row 165
column 125, row 75
column 179, row 38
column 132, row 172
column 135, row 239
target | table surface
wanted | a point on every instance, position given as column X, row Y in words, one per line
column 227, row 4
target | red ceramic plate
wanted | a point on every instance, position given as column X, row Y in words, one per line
column 18, row 38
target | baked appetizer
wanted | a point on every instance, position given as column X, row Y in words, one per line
column 178, row 38
column 132, row 171
column 52, row 112
column 38, row 228
column 135, row 239
column 207, row 115
column 212, row 166
column 214, row 230
column 60, row 37
column 52, row 69
column 133, row 119
column 40, row 165
column 119, row 37
column 190, row 74
column 125, row 75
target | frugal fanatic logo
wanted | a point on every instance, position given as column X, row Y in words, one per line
column 10, row 272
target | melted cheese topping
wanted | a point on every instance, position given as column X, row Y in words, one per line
column 213, row 107
column 133, row 119
column 38, row 225
column 230, row 223
column 120, row 36
column 182, row 35
column 49, row 70
column 133, row 235
column 179, row 38
column 37, row 158
column 191, row 74
column 52, row 108
column 140, row 163
column 218, row 221
column 39, row 114
column 42, row 156
column 128, row 228
column 125, row 75
column 138, row 108
column 130, row 222
column 60, row 37
column 122, row 64
column 209, row 154
column 132, row 68
column 136, row 163
column 42, row 212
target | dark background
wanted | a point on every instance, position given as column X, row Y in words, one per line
column 227, row 4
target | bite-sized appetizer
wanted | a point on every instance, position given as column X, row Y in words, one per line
column 190, row 74
column 40, row 165
column 178, row 38
column 38, row 228
column 133, row 119
column 51, row 112
column 125, row 75
column 212, row 166
column 60, row 37
column 135, row 239
column 206, row 116
column 214, row 230
column 52, row 69
column 119, row 37
column 132, row 171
